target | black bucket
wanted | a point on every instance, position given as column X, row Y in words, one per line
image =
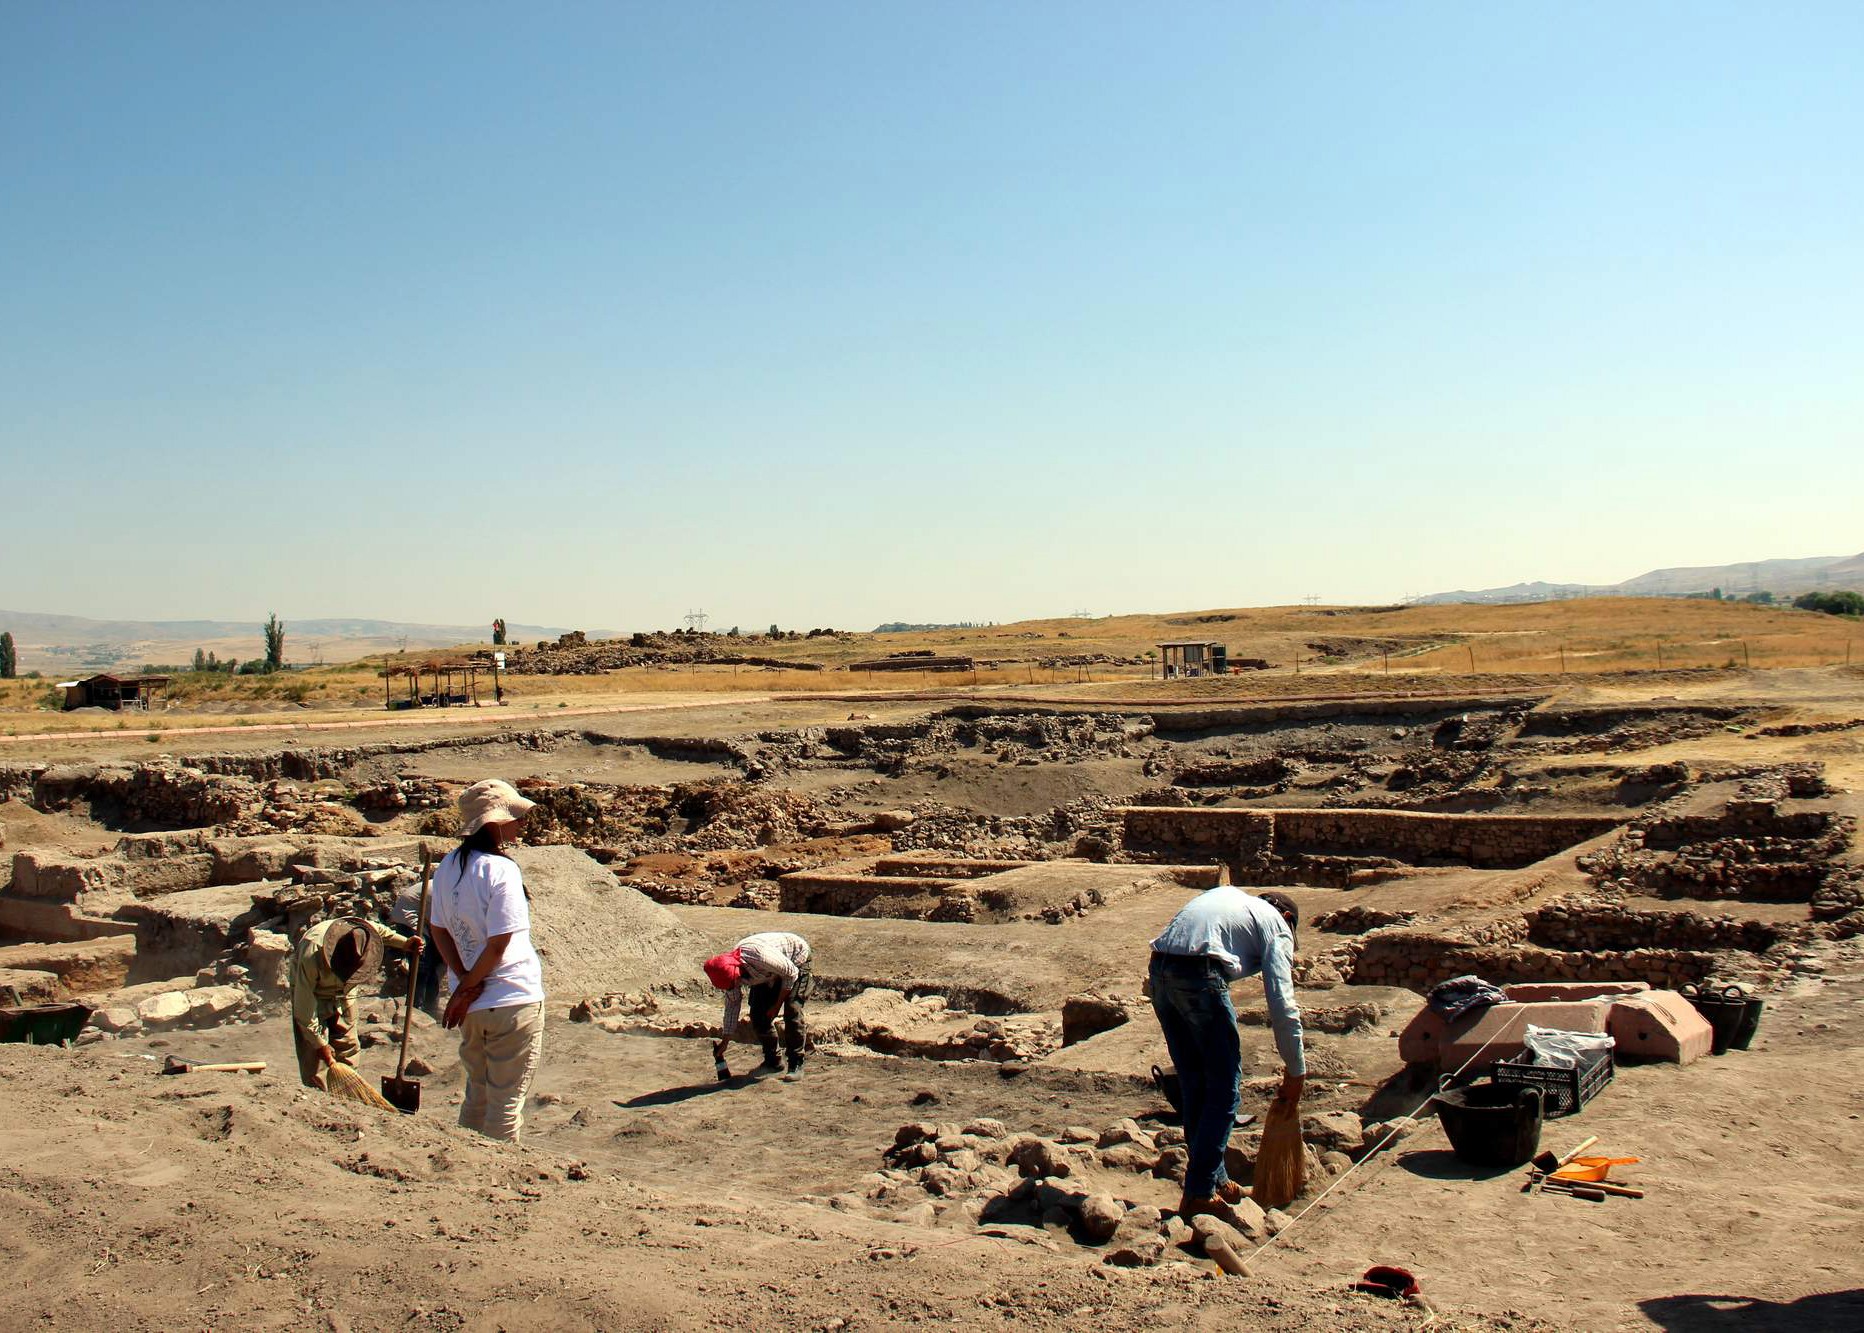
column 1749, row 1025
column 1733, row 1015
column 1491, row 1124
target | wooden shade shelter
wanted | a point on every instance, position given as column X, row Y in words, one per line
column 436, row 684
column 115, row 692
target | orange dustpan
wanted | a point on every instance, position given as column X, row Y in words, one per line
column 1591, row 1168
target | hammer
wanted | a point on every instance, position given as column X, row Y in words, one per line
column 174, row 1064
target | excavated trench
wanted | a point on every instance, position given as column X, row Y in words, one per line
column 1682, row 887
column 1313, row 794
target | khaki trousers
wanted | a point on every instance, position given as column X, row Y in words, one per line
column 337, row 1020
column 501, row 1049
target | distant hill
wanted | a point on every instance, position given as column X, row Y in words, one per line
column 74, row 644
column 902, row 627
column 1783, row 578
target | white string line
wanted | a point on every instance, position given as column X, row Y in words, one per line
column 1373, row 1151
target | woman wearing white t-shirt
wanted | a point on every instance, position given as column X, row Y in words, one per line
column 481, row 920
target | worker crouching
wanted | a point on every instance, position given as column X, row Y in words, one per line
column 774, row 968
column 333, row 960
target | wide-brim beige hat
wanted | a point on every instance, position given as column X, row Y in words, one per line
column 493, row 801
column 341, row 929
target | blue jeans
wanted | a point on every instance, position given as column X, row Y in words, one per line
column 1192, row 1001
column 427, row 978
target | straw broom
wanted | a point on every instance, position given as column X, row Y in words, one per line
column 343, row 1081
column 1281, row 1164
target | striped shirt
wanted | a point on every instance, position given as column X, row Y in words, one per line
column 772, row 956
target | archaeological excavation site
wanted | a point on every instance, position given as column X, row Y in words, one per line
column 1666, row 868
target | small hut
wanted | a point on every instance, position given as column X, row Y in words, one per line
column 1182, row 658
column 114, row 692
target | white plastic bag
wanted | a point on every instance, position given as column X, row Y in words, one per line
column 1559, row 1049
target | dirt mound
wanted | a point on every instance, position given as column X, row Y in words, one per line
column 136, row 1201
column 597, row 936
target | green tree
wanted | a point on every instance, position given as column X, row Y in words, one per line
column 1831, row 603
column 498, row 632
column 1759, row 598
column 200, row 660
column 9, row 657
column 274, row 643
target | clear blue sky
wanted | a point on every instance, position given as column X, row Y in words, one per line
column 829, row 314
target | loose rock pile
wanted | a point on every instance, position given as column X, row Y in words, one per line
column 1358, row 919
column 580, row 657
column 1079, row 1181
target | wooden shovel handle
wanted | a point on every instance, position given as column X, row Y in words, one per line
column 414, row 964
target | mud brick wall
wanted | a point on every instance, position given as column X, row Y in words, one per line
column 1497, row 841
column 1197, row 834
column 956, row 867
column 1589, row 923
column 845, row 895
column 1738, row 819
column 1418, row 962
column 1489, row 841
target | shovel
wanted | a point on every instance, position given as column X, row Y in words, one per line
column 400, row 1091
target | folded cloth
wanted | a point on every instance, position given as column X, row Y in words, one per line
column 1463, row 995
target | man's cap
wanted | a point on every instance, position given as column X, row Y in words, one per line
column 723, row 970
column 1282, row 903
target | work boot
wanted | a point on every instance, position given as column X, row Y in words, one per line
column 1213, row 1205
column 771, row 1065
column 795, row 1072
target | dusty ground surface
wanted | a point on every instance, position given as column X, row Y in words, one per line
column 649, row 1196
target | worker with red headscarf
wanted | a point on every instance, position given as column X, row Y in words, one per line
column 774, row 967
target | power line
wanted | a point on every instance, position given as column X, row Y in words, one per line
column 695, row 621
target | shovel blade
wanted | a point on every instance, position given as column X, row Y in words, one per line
column 404, row 1094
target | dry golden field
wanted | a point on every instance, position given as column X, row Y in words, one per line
column 1576, row 638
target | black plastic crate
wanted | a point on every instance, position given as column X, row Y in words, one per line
column 1563, row 1090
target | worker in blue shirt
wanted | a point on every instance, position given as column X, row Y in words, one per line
column 1220, row 937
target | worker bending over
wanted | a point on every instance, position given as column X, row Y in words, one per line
column 774, row 967
column 333, row 960
column 1222, row 936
